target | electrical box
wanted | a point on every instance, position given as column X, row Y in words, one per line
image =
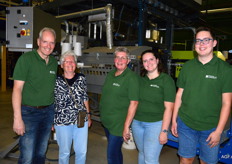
column 23, row 25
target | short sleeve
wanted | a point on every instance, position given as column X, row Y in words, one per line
column 181, row 78
column 21, row 69
column 227, row 81
column 169, row 89
column 134, row 87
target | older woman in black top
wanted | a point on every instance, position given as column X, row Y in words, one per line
column 70, row 98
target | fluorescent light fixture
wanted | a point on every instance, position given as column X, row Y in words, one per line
column 217, row 10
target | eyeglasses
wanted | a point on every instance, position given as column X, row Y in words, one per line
column 69, row 62
column 203, row 41
column 122, row 58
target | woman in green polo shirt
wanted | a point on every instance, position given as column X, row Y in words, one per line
column 118, row 104
column 153, row 116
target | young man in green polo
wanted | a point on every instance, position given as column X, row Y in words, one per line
column 203, row 102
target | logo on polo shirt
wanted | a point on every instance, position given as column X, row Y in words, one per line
column 154, row 85
column 116, row 84
column 210, row 77
column 52, row 72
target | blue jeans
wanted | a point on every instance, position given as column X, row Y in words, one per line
column 71, row 133
column 114, row 148
column 189, row 139
column 33, row 144
column 146, row 136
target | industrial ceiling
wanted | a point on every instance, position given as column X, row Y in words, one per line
column 183, row 13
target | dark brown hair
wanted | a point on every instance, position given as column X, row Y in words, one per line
column 199, row 29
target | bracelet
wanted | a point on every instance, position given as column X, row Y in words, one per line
column 164, row 131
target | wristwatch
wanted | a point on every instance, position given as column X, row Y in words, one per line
column 164, row 131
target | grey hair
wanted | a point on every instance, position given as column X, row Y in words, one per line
column 122, row 49
column 47, row 29
column 68, row 53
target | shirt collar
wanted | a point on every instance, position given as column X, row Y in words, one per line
column 211, row 62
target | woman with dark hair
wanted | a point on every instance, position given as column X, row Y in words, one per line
column 153, row 116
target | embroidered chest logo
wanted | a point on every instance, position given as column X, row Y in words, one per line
column 52, row 72
column 116, row 84
column 154, row 85
column 210, row 77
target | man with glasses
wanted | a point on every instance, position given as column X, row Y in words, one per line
column 33, row 97
column 203, row 102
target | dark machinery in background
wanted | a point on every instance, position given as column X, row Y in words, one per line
column 101, row 26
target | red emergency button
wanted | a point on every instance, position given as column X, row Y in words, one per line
column 23, row 33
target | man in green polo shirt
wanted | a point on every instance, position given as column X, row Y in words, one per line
column 33, row 97
column 203, row 101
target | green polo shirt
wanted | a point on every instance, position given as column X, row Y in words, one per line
column 203, row 88
column 38, row 89
column 153, row 93
column 117, row 93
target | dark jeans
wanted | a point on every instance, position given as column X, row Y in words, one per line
column 114, row 152
column 33, row 144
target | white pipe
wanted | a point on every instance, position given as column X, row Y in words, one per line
column 95, row 31
column 67, row 31
column 100, row 30
column 107, row 9
column 89, row 30
column 66, row 25
column 109, row 33
column 82, row 13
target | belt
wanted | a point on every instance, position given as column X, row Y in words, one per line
column 37, row 107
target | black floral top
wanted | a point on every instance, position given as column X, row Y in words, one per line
column 65, row 109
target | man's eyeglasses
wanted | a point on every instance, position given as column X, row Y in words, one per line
column 203, row 41
column 122, row 58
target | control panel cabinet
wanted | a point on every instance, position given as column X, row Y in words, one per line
column 23, row 26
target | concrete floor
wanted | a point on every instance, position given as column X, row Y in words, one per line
column 96, row 142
